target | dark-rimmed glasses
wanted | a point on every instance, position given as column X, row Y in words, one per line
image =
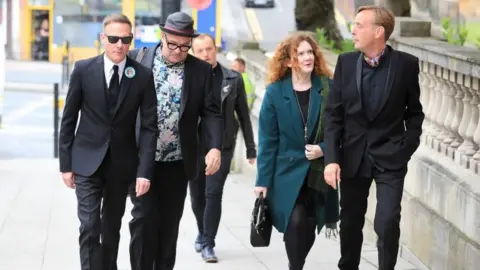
column 173, row 46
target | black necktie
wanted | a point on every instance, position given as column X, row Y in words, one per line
column 113, row 89
column 114, row 82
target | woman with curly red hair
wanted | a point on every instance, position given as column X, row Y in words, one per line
column 290, row 150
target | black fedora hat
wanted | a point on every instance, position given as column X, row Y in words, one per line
column 180, row 24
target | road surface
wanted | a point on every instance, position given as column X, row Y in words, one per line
column 27, row 130
column 270, row 25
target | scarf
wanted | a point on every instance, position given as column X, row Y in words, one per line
column 316, row 179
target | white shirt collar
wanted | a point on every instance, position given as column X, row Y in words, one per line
column 108, row 65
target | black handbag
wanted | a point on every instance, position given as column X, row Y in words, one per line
column 260, row 224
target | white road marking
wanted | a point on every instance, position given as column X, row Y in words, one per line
column 25, row 130
column 26, row 109
column 254, row 24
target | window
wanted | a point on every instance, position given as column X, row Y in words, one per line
column 38, row 2
column 81, row 24
column 147, row 18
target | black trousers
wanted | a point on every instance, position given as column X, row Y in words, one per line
column 300, row 234
column 170, row 190
column 353, row 204
column 206, row 194
column 103, row 221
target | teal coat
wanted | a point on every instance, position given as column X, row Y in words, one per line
column 281, row 162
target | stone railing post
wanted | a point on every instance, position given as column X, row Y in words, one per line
column 426, row 85
column 472, row 125
column 457, row 140
column 450, row 108
column 435, row 107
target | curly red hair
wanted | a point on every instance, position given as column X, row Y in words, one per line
column 287, row 51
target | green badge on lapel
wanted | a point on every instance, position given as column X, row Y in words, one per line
column 130, row 72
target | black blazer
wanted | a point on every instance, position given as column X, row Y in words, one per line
column 393, row 135
column 83, row 152
column 198, row 101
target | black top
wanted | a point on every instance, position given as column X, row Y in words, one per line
column 374, row 80
column 217, row 78
column 303, row 100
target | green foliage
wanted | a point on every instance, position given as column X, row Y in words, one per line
column 346, row 46
column 349, row 27
column 477, row 43
column 453, row 35
column 462, row 34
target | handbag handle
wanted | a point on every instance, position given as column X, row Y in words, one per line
column 259, row 216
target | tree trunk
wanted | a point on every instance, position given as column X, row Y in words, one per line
column 401, row 8
column 311, row 15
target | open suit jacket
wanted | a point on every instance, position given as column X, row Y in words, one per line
column 83, row 152
column 198, row 101
column 393, row 135
column 281, row 164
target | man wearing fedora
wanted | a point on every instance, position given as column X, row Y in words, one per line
column 185, row 96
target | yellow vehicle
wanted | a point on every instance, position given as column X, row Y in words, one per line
column 51, row 23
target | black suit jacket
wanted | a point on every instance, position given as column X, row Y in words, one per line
column 83, row 151
column 198, row 102
column 393, row 135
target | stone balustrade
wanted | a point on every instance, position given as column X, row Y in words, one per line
column 450, row 94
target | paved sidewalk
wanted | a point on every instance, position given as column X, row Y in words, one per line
column 39, row 227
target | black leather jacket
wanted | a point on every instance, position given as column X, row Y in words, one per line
column 235, row 112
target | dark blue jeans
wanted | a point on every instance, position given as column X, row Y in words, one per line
column 206, row 196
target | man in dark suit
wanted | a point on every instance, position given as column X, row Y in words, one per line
column 185, row 97
column 101, row 159
column 207, row 191
column 373, row 126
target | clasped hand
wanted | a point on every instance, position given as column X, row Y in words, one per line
column 313, row 151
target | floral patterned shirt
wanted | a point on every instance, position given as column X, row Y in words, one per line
column 168, row 84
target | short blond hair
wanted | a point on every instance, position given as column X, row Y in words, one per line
column 116, row 18
column 383, row 17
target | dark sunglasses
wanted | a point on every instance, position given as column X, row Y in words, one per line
column 115, row 39
column 173, row 46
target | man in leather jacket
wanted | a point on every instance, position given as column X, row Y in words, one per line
column 206, row 191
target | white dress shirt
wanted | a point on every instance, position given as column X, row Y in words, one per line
column 108, row 68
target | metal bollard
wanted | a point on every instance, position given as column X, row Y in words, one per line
column 56, row 119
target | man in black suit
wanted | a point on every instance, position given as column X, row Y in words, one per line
column 185, row 97
column 101, row 159
column 373, row 126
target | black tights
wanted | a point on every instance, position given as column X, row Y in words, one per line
column 300, row 234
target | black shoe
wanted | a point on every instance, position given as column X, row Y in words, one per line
column 198, row 244
column 208, row 255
